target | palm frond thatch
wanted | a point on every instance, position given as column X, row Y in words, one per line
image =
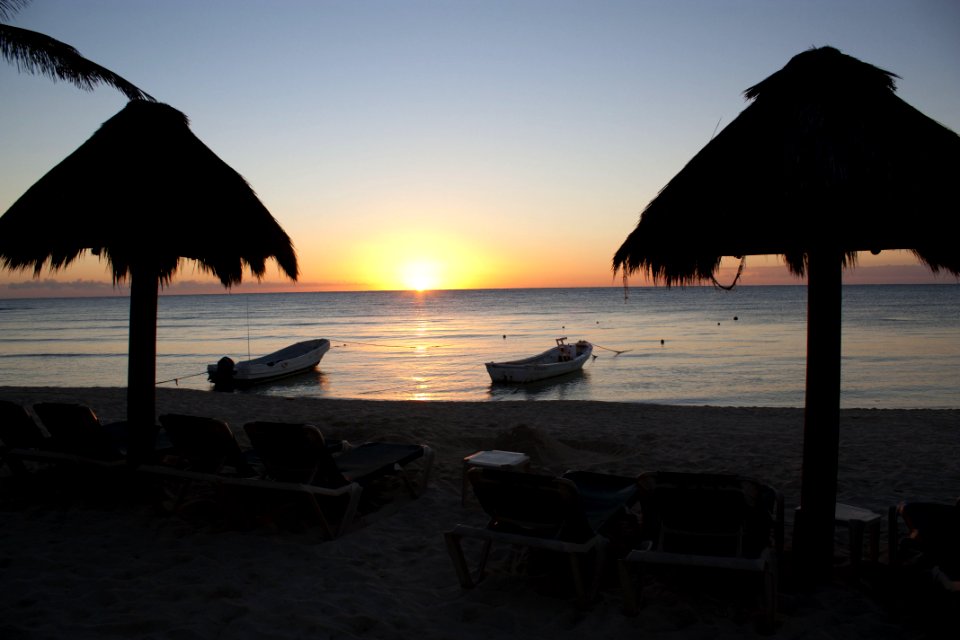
column 9, row 7
column 826, row 156
column 40, row 54
column 144, row 189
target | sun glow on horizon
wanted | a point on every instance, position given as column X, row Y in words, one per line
column 420, row 261
column 420, row 275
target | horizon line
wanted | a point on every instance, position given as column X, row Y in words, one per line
column 59, row 293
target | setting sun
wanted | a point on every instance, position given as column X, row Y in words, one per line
column 421, row 275
column 419, row 261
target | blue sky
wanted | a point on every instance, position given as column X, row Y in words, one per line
column 484, row 143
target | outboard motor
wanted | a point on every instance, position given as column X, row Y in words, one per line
column 224, row 378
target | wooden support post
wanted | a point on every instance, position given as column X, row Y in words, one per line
column 813, row 544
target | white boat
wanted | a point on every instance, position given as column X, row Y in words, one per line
column 561, row 359
column 288, row 361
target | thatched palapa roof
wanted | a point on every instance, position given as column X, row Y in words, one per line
column 826, row 156
column 144, row 189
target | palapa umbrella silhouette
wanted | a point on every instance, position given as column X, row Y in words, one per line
column 825, row 162
column 143, row 193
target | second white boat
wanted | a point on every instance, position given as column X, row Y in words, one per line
column 556, row 361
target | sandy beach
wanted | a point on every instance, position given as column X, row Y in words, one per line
column 112, row 565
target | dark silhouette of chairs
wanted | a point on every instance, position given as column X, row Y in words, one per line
column 924, row 543
column 710, row 522
column 78, row 434
column 204, row 445
column 203, row 451
column 21, row 437
column 18, row 430
column 565, row 516
column 297, row 458
column 932, row 541
column 72, row 441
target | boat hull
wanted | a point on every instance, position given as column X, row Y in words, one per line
column 289, row 361
column 560, row 360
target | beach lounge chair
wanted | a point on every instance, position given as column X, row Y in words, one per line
column 18, row 430
column 205, row 445
column 20, row 437
column 708, row 521
column 78, row 435
column 202, row 450
column 564, row 515
column 932, row 541
column 297, row 458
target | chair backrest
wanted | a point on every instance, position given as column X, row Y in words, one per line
column 603, row 495
column 294, row 452
column 530, row 504
column 934, row 530
column 75, row 428
column 204, row 444
column 707, row 514
column 18, row 430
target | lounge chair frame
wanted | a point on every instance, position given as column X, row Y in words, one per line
column 907, row 545
column 562, row 527
column 314, row 472
column 315, row 495
column 204, row 451
column 576, row 554
column 653, row 553
column 86, row 443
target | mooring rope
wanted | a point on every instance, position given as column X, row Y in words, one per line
column 343, row 343
column 179, row 378
column 616, row 351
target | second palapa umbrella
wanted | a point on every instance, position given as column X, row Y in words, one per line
column 827, row 161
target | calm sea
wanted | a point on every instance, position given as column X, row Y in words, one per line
column 699, row 345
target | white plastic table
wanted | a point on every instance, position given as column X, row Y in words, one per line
column 858, row 520
column 494, row 459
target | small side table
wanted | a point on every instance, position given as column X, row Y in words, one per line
column 858, row 520
column 494, row 459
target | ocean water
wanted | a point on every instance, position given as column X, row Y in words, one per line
column 690, row 346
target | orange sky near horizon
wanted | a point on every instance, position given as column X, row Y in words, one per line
column 414, row 261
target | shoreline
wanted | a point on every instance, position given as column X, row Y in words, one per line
column 84, row 569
